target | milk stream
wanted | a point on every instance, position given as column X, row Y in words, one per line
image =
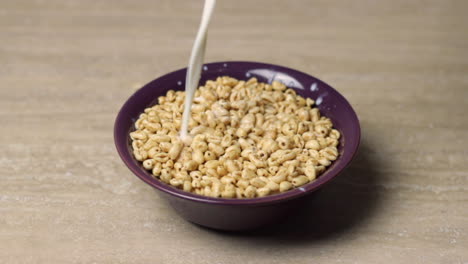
column 195, row 67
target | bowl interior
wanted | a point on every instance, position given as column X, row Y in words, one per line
column 328, row 100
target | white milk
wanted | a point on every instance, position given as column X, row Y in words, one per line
column 195, row 67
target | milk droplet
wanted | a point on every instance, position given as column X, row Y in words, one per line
column 314, row 87
column 319, row 100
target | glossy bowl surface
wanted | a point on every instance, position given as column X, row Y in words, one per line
column 240, row 214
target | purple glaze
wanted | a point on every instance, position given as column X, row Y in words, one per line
column 239, row 214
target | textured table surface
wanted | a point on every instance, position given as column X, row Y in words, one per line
column 67, row 66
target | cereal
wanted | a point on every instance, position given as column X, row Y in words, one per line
column 247, row 139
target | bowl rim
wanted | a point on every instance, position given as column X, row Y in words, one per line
column 329, row 174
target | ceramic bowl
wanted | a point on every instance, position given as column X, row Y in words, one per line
column 240, row 214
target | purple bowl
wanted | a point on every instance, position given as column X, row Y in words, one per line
column 240, row 214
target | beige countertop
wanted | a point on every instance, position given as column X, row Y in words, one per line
column 66, row 67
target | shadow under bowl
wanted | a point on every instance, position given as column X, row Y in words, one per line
column 240, row 214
